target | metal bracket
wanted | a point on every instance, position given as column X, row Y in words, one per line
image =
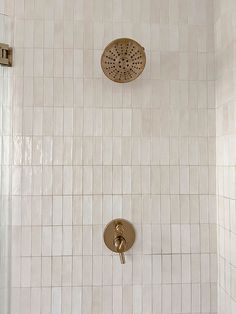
column 5, row 55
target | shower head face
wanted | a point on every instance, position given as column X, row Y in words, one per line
column 123, row 60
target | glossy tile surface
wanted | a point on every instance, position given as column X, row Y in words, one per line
column 226, row 136
column 5, row 162
column 86, row 150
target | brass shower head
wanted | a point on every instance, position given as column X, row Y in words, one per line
column 123, row 60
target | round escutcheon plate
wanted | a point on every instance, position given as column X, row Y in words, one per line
column 119, row 227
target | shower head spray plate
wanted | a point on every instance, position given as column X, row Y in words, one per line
column 123, row 60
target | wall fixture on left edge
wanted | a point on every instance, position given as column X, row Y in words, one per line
column 5, row 55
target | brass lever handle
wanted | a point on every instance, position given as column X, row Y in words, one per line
column 120, row 248
column 122, row 258
column 119, row 236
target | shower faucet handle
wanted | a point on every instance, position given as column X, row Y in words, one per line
column 122, row 258
column 120, row 248
column 119, row 237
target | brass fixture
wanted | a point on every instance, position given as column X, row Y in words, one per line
column 123, row 60
column 119, row 237
column 5, row 55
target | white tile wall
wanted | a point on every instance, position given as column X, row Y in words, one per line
column 86, row 150
column 5, row 162
column 226, row 136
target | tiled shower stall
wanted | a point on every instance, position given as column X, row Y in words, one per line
column 78, row 150
column 5, row 165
